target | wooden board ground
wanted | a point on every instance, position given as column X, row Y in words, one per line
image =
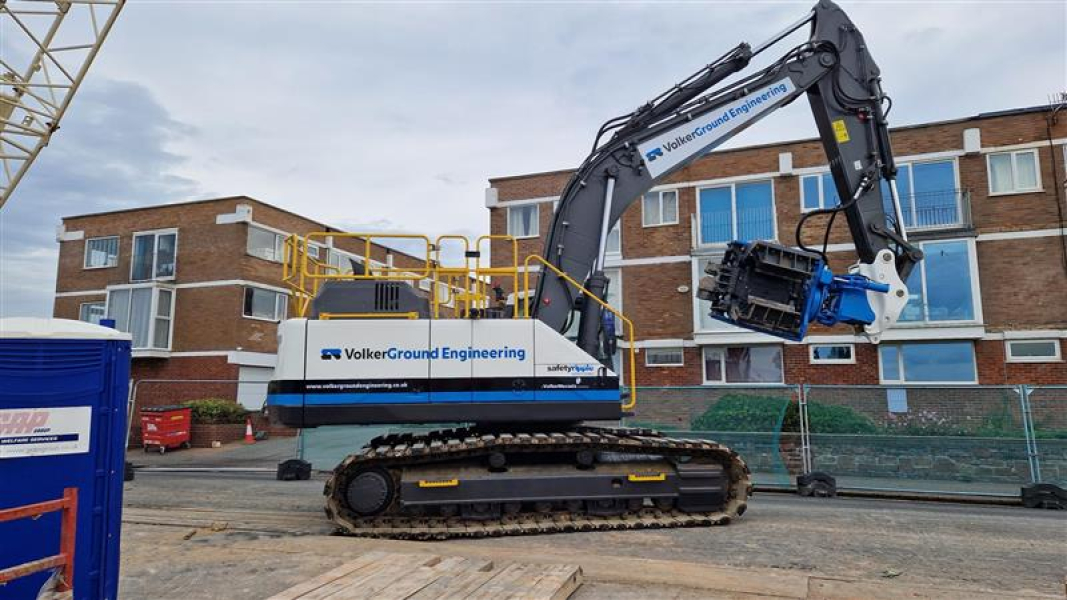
column 396, row 576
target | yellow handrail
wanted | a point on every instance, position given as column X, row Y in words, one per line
column 513, row 270
column 629, row 324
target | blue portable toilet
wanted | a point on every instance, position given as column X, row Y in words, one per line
column 63, row 394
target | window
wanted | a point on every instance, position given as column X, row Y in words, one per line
column 664, row 357
column 702, row 321
column 614, row 300
column 941, row 288
column 154, row 255
column 614, row 243
column 144, row 312
column 929, row 194
column 91, row 312
column 265, row 304
column 659, row 208
column 523, row 220
column 340, row 261
column 266, row 244
column 101, row 252
column 928, row 362
column 743, row 364
column 743, row 211
column 1013, row 172
column 818, row 191
column 832, row 354
column 1030, row 350
column 314, row 251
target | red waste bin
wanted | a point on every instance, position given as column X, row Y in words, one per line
column 166, row 427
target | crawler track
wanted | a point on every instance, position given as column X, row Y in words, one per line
column 395, row 452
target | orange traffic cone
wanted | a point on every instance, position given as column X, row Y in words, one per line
column 249, row 437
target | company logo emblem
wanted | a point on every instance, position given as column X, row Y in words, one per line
column 331, row 354
column 23, row 422
column 571, row 369
column 653, row 154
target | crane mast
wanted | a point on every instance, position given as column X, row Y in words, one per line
column 45, row 51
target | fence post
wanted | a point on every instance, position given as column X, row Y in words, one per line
column 805, row 430
column 1028, row 432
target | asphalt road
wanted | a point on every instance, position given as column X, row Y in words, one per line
column 960, row 545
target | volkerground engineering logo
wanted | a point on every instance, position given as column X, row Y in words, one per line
column 438, row 353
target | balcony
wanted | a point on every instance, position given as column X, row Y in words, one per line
column 934, row 211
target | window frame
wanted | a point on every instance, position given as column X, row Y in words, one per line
column 722, row 363
column 659, row 205
column 153, row 312
column 608, row 251
column 103, row 307
column 976, row 289
column 536, row 206
column 831, row 361
column 156, row 233
column 900, row 365
column 279, row 243
column 1055, row 358
column 278, row 296
column 733, row 210
column 118, row 249
column 1015, row 190
column 822, row 195
column 649, row 351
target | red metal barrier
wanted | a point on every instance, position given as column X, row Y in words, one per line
column 69, row 526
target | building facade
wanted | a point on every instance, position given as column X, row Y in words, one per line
column 199, row 285
column 983, row 196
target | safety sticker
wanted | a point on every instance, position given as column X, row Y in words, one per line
column 26, row 432
column 840, row 131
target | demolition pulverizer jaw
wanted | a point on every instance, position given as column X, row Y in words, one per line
column 780, row 291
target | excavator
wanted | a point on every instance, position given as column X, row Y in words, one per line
column 527, row 454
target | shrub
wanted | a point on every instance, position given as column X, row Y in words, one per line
column 216, row 411
column 828, row 418
column 743, row 412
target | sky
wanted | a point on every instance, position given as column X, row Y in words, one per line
column 393, row 116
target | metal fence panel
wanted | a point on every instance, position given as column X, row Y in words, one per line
column 1048, row 418
column 938, row 439
column 750, row 420
column 325, row 447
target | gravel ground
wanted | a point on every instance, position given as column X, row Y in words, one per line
column 951, row 545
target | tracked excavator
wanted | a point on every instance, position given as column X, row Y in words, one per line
column 527, row 455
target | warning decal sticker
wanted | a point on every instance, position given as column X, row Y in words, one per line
column 840, row 131
column 26, row 432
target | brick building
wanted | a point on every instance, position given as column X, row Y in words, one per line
column 198, row 284
column 984, row 196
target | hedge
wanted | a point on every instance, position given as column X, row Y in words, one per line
column 217, row 411
column 743, row 412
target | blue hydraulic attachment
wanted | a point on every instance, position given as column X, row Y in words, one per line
column 779, row 290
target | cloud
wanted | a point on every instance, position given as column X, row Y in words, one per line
column 110, row 153
column 397, row 113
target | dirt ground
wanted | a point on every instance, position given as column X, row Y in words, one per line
column 274, row 532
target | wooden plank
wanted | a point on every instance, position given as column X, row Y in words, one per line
column 298, row 591
column 458, row 584
column 366, row 583
column 510, row 580
column 341, row 583
column 557, row 582
column 421, row 577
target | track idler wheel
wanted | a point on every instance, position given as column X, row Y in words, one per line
column 370, row 492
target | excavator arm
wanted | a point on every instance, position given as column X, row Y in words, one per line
column 760, row 285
